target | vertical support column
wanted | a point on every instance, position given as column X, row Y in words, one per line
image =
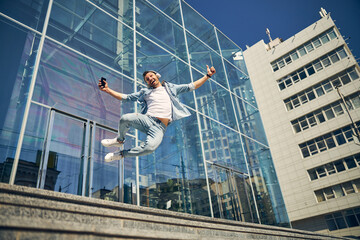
column 28, row 101
column 85, row 157
column 121, row 166
column 197, row 114
column 91, row 158
column 135, row 104
column 237, row 124
column 44, row 160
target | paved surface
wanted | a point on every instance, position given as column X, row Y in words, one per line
column 29, row 213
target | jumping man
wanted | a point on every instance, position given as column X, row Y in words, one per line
column 159, row 107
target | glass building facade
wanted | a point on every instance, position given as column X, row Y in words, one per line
column 215, row 163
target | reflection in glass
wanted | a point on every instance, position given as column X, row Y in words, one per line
column 229, row 49
column 64, row 168
column 249, row 120
column 87, row 29
column 201, row 55
column 215, row 102
column 173, row 176
column 170, row 7
column 160, row 29
column 222, row 145
column 30, row 157
column 106, row 176
column 231, row 195
column 30, row 12
column 267, row 191
column 18, row 54
column 120, row 9
column 199, row 26
column 68, row 82
column 239, row 81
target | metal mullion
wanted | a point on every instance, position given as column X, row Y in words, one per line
column 45, row 155
column 228, row 38
column 152, row 5
column 104, row 11
column 202, row 42
column 236, row 67
column 85, row 157
column 19, row 23
column 233, row 196
column 91, row 158
column 89, row 58
column 238, row 126
column 137, row 166
column 30, row 95
column 150, row 40
column 197, row 116
column 214, row 169
column 226, row 89
column 222, row 124
column 227, row 168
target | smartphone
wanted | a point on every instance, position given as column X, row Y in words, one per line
column 102, row 81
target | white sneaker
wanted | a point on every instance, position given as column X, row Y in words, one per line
column 111, row 143
column 113, row 156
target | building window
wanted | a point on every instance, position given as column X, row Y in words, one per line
column 319, row 64
column 322, row 88
column 325, row 113
column 335, row 167
column 338, row 190
column 303, row 50
column 343, row 219
column 332, row 139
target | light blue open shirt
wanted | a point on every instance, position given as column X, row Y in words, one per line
column 178, row 109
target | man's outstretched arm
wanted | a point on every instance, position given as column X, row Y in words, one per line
column 210, row 71
column 113, row 93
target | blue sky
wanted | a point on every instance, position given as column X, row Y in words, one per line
column 245, row 21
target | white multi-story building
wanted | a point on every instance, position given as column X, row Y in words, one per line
column 308, row 93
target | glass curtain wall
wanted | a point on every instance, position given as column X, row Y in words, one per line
column 214, row 163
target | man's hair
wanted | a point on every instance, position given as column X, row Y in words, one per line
column 146, row 72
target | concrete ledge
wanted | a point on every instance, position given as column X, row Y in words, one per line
column 28, row 213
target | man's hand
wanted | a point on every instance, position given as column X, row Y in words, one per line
column 103, row 88
column 211, row 71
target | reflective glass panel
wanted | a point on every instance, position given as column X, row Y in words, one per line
column 31, row 12
column 32, row 147
column 229, row 49
column 160, row 29
column 173, row 177
column 106, row 176
column 201, row 56
column 68, row 82
column 223, row 146
column 18, row 53
column 64, row 168
column 249, row 120
column 120, row 9
column 239, row 82
column 199, row 26
column 90, row 31
column 265, row 183
column 170, row 7
column 215, row 102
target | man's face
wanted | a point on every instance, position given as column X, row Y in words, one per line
column 152, row 80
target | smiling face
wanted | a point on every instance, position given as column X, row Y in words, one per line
column 152, row 80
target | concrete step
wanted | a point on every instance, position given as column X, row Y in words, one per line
column 29, row 213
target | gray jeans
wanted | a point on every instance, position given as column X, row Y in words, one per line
column 151, row 126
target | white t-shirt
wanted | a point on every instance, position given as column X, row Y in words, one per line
column 159, row 103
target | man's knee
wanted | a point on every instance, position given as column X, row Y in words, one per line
column 149, row 148
column 126, row 117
